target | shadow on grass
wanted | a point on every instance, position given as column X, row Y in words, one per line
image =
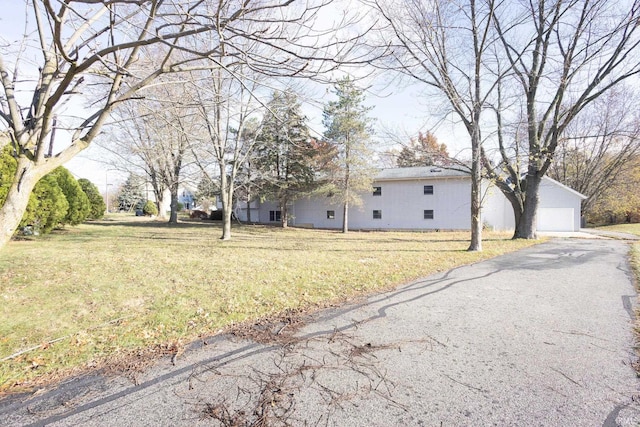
column 157, row 224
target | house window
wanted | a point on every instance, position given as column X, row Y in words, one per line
column 428, row 189
column 428, row 214
column 331, row 214
column 377, row 191
column 377, row 214
column 275, row 216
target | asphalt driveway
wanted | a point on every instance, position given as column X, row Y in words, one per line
column 541, row 337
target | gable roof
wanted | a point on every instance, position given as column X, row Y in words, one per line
column 569, row 189
column 433, row 172
column 421, row 172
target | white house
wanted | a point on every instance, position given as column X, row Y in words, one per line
column 425, row 198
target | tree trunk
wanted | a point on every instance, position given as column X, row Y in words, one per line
column 476, row 209
column 160, row 203
column 476, row 190
column 226, row 193
column 173, row 217
column 517, row 216
column 15, row 204
column 284, row 215
column 226, row 219
column 345, row 210
column 345, row 218
column 248, row 207
column 527, row 225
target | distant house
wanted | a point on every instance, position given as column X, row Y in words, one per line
column 185, row 196
column 425, row 198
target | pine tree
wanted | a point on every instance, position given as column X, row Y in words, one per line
column 131, row 197
column 348, row 126
column 207, row 193
column 285, row 152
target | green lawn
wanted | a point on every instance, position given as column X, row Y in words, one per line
column 99, row 291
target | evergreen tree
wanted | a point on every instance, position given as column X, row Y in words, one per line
column 98, row 207
column 150, row 208
column 7, row 172
column 348, row 126
column 207, row 192
column 79, row 205
column 285, row 152
column 47, row 205
column 131, row 197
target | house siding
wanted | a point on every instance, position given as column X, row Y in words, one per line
column 402, row 204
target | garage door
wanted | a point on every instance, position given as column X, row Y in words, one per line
column 555, row 219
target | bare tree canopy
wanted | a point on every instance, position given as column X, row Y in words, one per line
column 599, row 146
column 154, row 135
column 447, row 47
column 516, row 74
column 562, row 56
column 77, row 59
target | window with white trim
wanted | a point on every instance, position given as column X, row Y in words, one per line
column 377, row 214
column 428, row 214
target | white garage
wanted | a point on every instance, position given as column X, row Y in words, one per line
column 558, row 209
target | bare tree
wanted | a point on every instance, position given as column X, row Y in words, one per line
column 90, row 52
column 446, row 46
column 226, row 106
column 563, row 55
column 154, row 134
column 599, row 145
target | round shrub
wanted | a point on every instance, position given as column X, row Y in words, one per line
column 150, row 208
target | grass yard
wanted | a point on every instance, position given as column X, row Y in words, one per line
column 635, row 250
column 623, row 228
column 85, row 297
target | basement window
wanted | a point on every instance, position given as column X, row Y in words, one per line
column 428, row 214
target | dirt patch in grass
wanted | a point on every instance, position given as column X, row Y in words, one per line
column 112, row 294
